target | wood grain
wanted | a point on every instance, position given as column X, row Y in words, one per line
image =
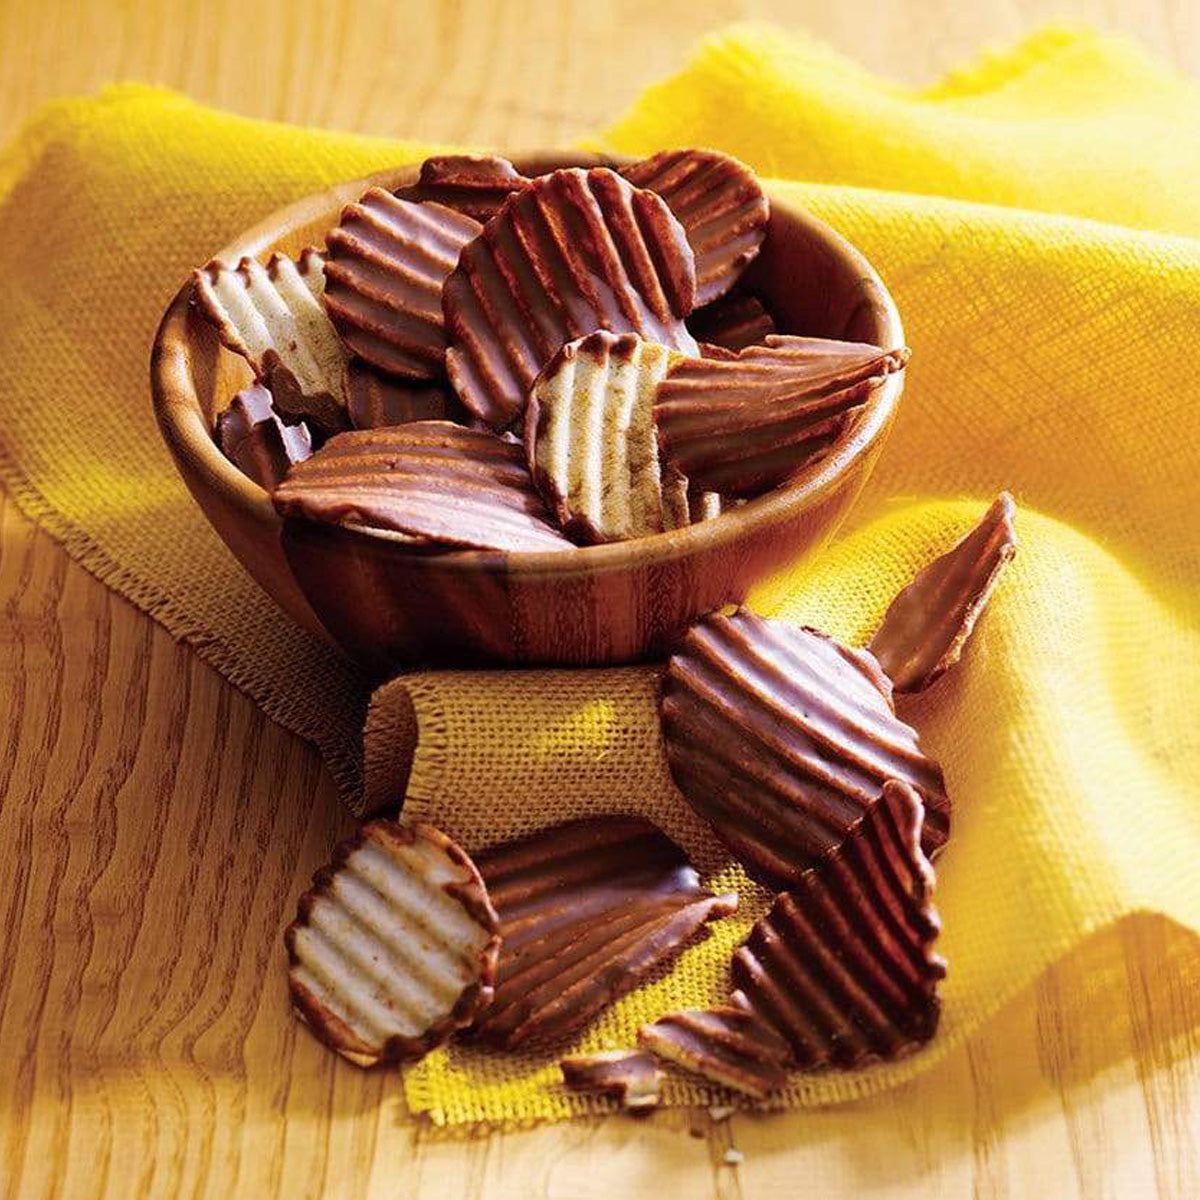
column 157, row 829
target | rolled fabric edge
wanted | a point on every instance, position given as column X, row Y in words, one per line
column 390, row 738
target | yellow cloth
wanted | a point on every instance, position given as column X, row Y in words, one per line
column 1053, row 355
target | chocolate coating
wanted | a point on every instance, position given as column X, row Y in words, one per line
column 782, row 738
column 387, row 260
column 394, row 946
column 719, row 203
column 431, row 480
column 575, row 251
column 628, row 1075
column 742, row 426
column 843, row 964
column 926, row 627
column 377, row 400
column 252, row 436
column 588, row 910
column 475, row 184
column 729, row 1045
column 737, row 320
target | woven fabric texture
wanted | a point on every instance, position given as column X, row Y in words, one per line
column 1037, row 220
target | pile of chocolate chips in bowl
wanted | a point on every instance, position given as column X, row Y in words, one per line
column 571, row 359
column 530, row 345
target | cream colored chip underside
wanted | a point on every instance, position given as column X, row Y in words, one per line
column 284, row 314
column 598, row 444
column 385, row 948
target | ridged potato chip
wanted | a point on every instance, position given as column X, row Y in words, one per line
column 573, row 252
column 387, row 260
column 737, row 320
column 719, row 203
column 925, row 628
column 475, row 184
column 378, row 399
column 782, row 738
column 273, row 317
column 728, row 1044
column 591, row 442
column 744, row 425
column 431, row 480
column 843, row 964
column 394, row 946
column 588, row 910
column 256, row 441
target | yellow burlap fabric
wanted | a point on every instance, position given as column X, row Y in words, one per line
column 1038, row 220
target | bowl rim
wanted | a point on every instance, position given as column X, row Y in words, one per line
column 179, row 412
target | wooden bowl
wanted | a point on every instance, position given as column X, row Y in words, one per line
column 387, row 605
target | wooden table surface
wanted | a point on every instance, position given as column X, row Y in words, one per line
column 156, row 828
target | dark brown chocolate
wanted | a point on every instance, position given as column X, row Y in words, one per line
column 394, row 946
column 627, row 1075
column 719, row 203
column 587, row 910
column 252, row 436
column 782, row 738
column 926, row 627
column 573, row 252
column 387, row 259
column 729, row 1045
column 475, row 184
column 743, row 426
column 843, row 964
column 735, row 321
column 378, row 400
column 431, row 480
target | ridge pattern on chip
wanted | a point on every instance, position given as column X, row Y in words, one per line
column 782, row 738
column 575, row 251
column 591, row 442
column 394, row 946
column 387, row 261
column 432, row 480
column 843, row 966
column 719, row 203
column 587, row 910
column 744, row 424
column 273, row 317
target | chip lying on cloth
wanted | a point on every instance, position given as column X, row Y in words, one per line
column 843, row 966
column 840, row 972
column 587, row 911
column 782, row 738
column 728, row 1044
column 631, row 1077
column 926, row 627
